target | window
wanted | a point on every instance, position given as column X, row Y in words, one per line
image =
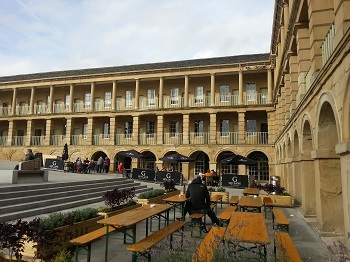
column 150, row 125
column 251, row 91
column 224, row 95
column 251, row 126
column 151, row 97
column 106, row 130
column 85, row 131
column 87, row 101
column 224, row 127
column 263, row 92
column 198, row 94
column 128, row 98
column 48, row 103
column 174, row 96
column 108, row 99
column 198, row 128
column 128, row 129
column 67, row 102
column 174, row 128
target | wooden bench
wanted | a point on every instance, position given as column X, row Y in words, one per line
column 142, row 248
column 268, row 204
column 84, row 241
column 285, row 247
column 234, row 200
column 282, row 222
column 212, row 240
column 225, row 215
column 196, row 220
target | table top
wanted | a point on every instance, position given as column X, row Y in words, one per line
column 134, row 216
column 251, row 191
column 176, row 199
column 247, row 227
column 215, row 198
column 250, row 201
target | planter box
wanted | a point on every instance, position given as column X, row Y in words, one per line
column 225, row 196
column 281, row 201
column 158, row 199
column 67, row 233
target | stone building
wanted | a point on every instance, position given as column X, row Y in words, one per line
column 288, row 109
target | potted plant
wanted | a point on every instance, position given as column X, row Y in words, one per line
column 220, row 191
column 155, row 196
column 277, row 193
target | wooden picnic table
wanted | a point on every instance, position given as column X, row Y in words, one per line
column 248, row 228
column 178, row 202
column 214, row 200
column 250, row 203
column 251, row 191
column 128, row 221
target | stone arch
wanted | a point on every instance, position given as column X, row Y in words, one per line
column 261, row 170
column 329, row 196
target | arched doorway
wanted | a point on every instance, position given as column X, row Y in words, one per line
column 261, row 169
column 201, row 163
column 226, row 168
column 148, row 160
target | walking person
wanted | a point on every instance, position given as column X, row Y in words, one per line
column 99, row 164
column 106, row 164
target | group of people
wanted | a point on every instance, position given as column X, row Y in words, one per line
column 88, row 166
column 211, row 178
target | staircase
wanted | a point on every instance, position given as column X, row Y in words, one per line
column 22, row 201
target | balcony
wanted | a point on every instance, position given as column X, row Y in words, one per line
column 229, row 100
column 147, row 139
column 173, row 102
column 199, row 138
column 18, row 140
column 227, row 138
column 79, row 140
column 255, row 98
column 5, row 111
column 124, row 104
column 3, row 140
column 199, row 101
column 60, row 108
column 123, row 139
column 57, row 140
column 101, row 140
column 37, row 140
column 102, row 106
column 81, row 107
column 328, row 45
column 172, row 138
column 23, row 110
column 256, row 138
column 145, row 103
column 40, row 109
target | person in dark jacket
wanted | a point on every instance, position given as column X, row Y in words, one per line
column 200, row 199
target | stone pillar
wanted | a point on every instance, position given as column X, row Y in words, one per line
column 114, row 92
column 240, row 88
column 71, row 97
column 50, row 108
column 269, row 86
column 212, row 131
column 241, row 128
column 293, row 68
column 28, row 138
column 68, row 131
column 47, row 132
column 92, row 106
column 112, row 131
column 31, row 105
column 137, row 87
column 308, row 185
column 161, row 87
column 135, row 130
column 14, row 98
column 10, row 133
column 303, row 51
column 212, row 89
column 271, row 122
column 296, row 167
column 186, row 91
column 160, row 127
column 186, row 129
column 90, row 131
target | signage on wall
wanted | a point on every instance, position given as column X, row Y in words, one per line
column 54, row 164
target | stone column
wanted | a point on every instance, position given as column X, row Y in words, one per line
column 160, row 127
column 240, row 88
column 186, row 129
column 71, row 97
column 47, row 132
column 14, row 98
column 50, row 108
column 68, row 131
column 28, row 138
column 112, row 131
column 271, row 122
column 135, row 130
column 10, row 133
column 137, row 87
column 161, row 87
column 186, row 91
column 114, row 92
column 212, row 89
column 241, row 128
column 308, row 185
column 90, row 131
column 92, row 106
column 31, row 105
column 212, row 131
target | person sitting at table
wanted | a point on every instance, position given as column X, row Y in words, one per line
column 208, row 178
column 200, row 200
column 216, row 178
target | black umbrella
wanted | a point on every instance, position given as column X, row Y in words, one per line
column 176, row 158
column 65, row 152
column 130, row 153
column 238, row 160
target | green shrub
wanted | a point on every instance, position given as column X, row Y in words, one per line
column 221, row 189
column 152, row 193
column 106, row 209
column 63, row 256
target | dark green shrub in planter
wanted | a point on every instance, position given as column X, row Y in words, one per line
column 152, row 193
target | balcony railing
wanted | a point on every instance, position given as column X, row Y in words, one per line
column 146, row 103
column 123, row 139
column 199, row 138
column 102, row 106
column 147, row 139
column 40, row 109
column 81, row 107
column 255, row 98
column 229, row 100
column 199, row 101
column 124, row 104
column 328, row 45
column 256, row 138
column 79, row 140
column 227, row 138
column 173, row 102
column 100, row 140
column 57, row 140
column 3, row 140
column 5, row 111
column 172, row 138
column 37, row 140
column 22, row 110
column 60, row 108
column 18, row 140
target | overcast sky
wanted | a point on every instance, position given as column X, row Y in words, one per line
column 52, row 35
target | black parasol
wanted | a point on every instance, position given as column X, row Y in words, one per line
column 130, row 153
column 238, row 160
column 176, row 158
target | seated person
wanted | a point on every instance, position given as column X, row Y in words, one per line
column 200, row 200
column 208, row 178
